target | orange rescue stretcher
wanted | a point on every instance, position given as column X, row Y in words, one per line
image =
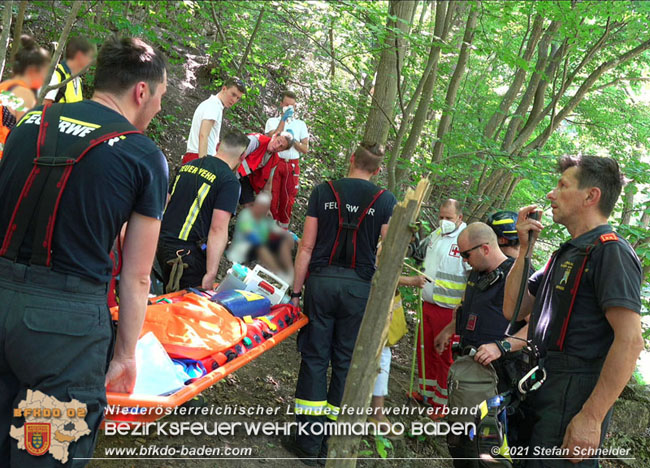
column 283, row 321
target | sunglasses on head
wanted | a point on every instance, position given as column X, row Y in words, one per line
column 466, row 253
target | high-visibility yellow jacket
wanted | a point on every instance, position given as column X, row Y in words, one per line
column 71, row 92
column 444, row 264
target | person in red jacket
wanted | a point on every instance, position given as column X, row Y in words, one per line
column 257, row 168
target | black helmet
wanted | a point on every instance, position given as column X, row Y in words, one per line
column 504, row 224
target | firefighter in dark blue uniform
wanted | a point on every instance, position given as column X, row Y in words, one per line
column 479, row 321
column 584, row 309
column 71, row 176
column 339, row 245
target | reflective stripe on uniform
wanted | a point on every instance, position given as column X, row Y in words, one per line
column 457, row 286
column 79, row 122
column 194, row 211
column 434, row 384
column 439, row 299
column 503, row 221
column 448, row 289
column 174, row 187
column 332, row 412
column 434, row 396
column 312, row 408
column 246, row 167
column 448, row 276
column 451, row 293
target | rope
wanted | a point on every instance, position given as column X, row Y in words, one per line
column 177, row 271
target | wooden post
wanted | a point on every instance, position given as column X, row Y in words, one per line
column 374, row 327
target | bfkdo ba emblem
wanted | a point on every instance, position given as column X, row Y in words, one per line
column 37, row 438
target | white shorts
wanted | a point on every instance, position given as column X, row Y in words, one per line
column 381, row 384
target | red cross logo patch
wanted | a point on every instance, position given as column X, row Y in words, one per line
column 454, row 252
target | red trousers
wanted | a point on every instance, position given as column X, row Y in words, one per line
column 285, row 189
column 436, row 366
column 190, row 157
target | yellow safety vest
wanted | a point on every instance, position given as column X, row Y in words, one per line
column 70, row 92
column 444, row 264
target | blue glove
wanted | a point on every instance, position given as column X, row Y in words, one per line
column 287, row 114
column 254, row 238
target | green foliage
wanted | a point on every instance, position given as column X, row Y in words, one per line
column 366, row 451
column 292, row 49
column 382, row 444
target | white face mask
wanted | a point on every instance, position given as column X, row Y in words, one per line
column 447, row 227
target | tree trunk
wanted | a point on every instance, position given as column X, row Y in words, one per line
column 628, row 203
column 425, row 5
column 63, row 38
column 362, row 103
column 4, row 38
column 444, row 15
column 454, row 83
column 380, row 117
column 332, row 53
column 18, row 31
column 533, row 86
column 374, row 327
column 434, row 55
column 250, row 41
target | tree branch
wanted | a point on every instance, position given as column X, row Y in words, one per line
column 582, row 90
column 454, row 83
column 18, row 30
column 444, row 19
column 618, row 80
column 434, row 55
column 518, row 80
column 250, row 41
column 533, row 85
column 61, row 84
column 398, row 67
column 534, row 121
column 217, row 24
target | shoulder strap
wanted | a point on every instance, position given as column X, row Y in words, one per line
column 608, row 237
column 344, row 251
column 39, row 199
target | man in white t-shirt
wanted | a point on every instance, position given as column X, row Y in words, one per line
column 206, row 123
column 287, row 172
